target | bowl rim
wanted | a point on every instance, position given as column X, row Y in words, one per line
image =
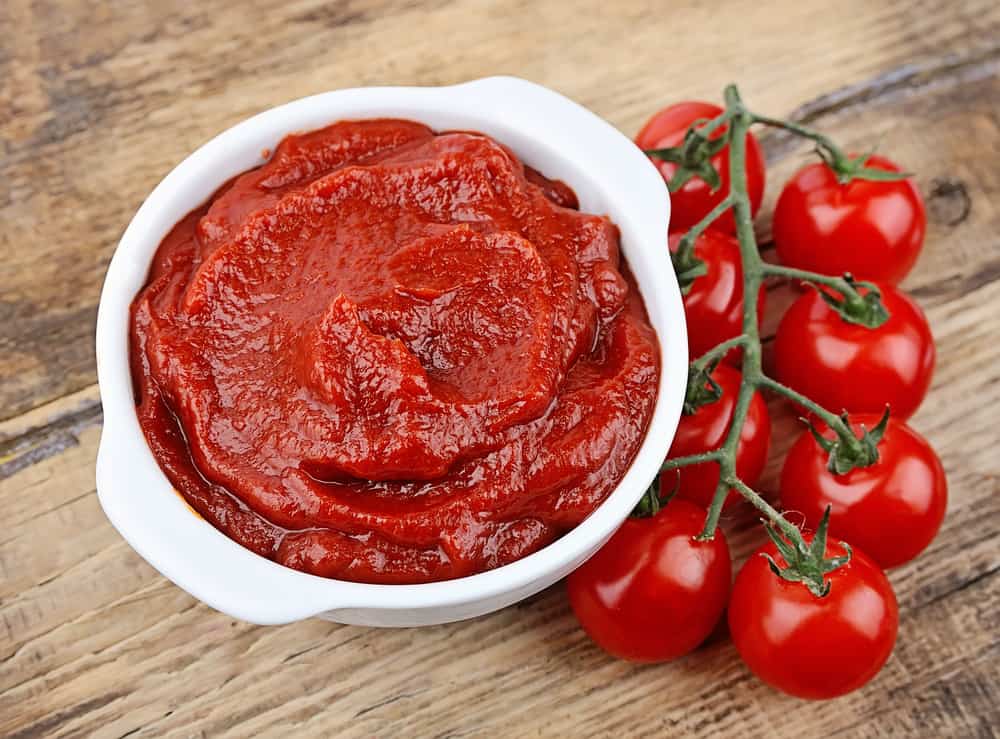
column 597, row 161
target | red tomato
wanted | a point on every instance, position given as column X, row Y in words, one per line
column 892, row 509
column 808, row 646
column 706, row 429
column 695, row 200
column 713, row 306
column 845, row 366
column 872, row 229
column 653, row 592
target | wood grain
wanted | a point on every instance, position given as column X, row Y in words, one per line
column 98, row 100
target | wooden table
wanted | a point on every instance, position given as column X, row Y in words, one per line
column 99, row 100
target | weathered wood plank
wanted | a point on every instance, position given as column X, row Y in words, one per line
column 47, row 430
column 491, row 673
column 71, row 633
column 98, row 101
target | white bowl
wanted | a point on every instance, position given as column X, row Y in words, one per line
column 546, row 130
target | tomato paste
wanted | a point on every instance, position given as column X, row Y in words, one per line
column 391, row 355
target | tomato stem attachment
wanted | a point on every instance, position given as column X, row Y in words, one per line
column 653, row 499
column 807, row 563
column 863, row 308
column 846, row 167
column 702, row 389
column 848, row 452
column 694, row 156
column 775, row 519
column 832, row 420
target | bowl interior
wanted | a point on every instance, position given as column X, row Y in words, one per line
column 547, row 131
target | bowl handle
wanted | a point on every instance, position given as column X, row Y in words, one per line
column 203, row 561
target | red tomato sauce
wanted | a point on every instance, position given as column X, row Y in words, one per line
column 392, row 356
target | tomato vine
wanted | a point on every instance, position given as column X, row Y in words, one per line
column 856, row 302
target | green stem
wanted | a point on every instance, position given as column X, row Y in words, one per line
column 830, row 419
column 752, row 276
column 720, row 350
column 701, row 226
column 779, row 270
column 690, row 459
column 844, row 167
column 720, row 120
column 715, row 509
column 863, row 309
column 787, row 528
column 835, row 422
column 805, row 132
column 684, row 257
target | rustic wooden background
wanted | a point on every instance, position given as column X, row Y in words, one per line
column 98, row 100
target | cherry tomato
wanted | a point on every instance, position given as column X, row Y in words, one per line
column 892, row 509
column 713, row 306
column 808, row 646
column 846, row 366
column 872, row 229
column 706, row 429
column 695, row 199
column 653, row 592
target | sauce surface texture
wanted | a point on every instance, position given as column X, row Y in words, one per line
column 392, row 356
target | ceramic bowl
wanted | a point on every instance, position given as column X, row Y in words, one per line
column 547, row 131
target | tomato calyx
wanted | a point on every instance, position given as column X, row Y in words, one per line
column 694, row 156
column 687, row 267
column 653, row 500
column 848, row 451
column 864, row 309
column 848, row 168
column 702, row 388
column 807, row 563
